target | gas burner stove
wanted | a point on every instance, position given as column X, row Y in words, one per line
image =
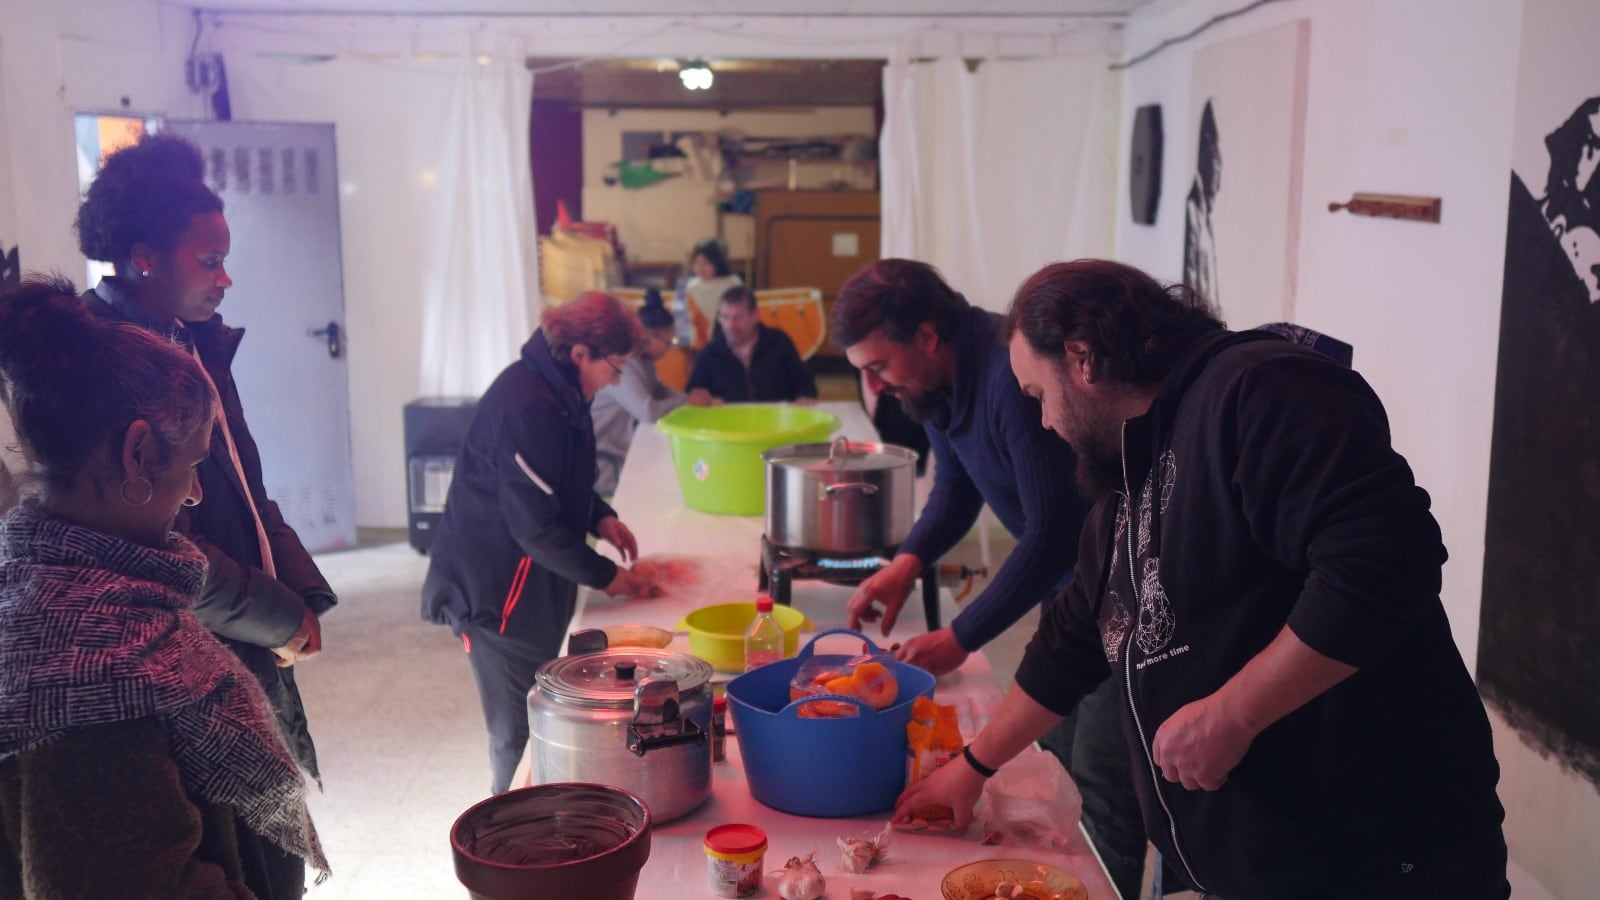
column 782, row 566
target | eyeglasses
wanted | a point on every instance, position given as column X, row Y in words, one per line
column 616, row 370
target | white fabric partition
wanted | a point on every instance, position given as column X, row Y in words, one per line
column 480, row 281
column 991, row 174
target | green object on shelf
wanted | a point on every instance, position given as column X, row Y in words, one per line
column 639, row 175
column 716, row 450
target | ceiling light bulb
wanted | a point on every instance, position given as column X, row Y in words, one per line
column 696, row 76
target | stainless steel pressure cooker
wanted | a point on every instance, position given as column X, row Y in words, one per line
column 630, row 717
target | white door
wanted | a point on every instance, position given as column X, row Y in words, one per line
column 281, row 189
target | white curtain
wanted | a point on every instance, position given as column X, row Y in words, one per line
column 991, row 174
column 480, row 287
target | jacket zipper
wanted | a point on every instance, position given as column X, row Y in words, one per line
column 1127, row 667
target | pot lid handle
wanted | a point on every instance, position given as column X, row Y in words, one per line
column 655, row 700
column 589, row 640
column 657, row 720
column 838, row 450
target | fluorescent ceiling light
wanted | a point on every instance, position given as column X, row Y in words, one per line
column 695, row 75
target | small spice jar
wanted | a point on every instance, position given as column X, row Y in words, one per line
column 733, row 859
column 719, row 729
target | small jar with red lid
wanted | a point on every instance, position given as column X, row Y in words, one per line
column 734, row 854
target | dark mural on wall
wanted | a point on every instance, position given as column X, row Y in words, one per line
column 1539, row 642
column 1199, row 234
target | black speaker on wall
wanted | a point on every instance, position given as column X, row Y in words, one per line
column 1144, row 164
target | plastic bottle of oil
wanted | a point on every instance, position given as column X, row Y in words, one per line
column 763, row 640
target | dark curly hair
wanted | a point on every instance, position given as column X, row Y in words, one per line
column 711, row 249
column 73, row 384
column 896, row 295
column 1135, row 328
column 147, row 193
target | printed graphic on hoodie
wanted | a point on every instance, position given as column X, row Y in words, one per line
column 1115, row 628
column 1155, row 625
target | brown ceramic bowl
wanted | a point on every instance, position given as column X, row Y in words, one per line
column 1040, row 881
column 553, row 841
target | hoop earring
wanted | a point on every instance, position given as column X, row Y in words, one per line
column 122, row 491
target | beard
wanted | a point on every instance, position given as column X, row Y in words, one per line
column 1098, row 444
column 1099, row 472
column 923, row 406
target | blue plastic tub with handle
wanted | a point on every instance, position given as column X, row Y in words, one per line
column 826, row 767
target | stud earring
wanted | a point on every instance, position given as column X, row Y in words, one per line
column 144, row 273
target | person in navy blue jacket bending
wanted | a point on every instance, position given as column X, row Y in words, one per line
column 511, row 548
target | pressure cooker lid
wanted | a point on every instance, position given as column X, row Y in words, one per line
column 841, row 456
column 609, row 677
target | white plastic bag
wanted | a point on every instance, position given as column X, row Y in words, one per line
column 1032, row 802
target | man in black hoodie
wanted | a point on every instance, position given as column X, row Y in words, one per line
column 1260, row 578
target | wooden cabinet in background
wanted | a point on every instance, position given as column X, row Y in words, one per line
column 814, row 239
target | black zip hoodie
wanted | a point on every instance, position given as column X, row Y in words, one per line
column 1265, row 491
column 510, row 550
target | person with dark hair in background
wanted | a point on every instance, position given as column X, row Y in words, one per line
column 511, row 548
column 639, row 397
column 916, row 339
column 1259, row 577
column 135, row 751
column 150, row 214
column 700, row 294
column 747, row 362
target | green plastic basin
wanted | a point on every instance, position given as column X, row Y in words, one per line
column 716, row 450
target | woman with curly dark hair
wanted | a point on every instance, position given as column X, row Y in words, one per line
column 150, row 214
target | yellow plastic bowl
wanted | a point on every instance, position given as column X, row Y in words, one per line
column 716, row 633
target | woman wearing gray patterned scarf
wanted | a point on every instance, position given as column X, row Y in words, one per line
column 133, row 745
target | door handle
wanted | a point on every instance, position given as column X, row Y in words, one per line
column 334, row 335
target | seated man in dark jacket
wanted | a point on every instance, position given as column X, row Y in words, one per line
column 747, row 362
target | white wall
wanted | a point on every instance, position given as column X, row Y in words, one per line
column 663, row 221
column 1405, row 97
column 61, row 57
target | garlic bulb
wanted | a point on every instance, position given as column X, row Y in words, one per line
column 857, row 854
column 800, row 879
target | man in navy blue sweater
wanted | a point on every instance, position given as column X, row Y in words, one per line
column 916, row 339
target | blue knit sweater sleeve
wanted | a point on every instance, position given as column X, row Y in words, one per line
column 953, row 505
column 1051, row 519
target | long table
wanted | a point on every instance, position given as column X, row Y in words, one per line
column 727, row 549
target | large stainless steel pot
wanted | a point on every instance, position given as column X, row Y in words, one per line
column 636, row 718
column 845, row 498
